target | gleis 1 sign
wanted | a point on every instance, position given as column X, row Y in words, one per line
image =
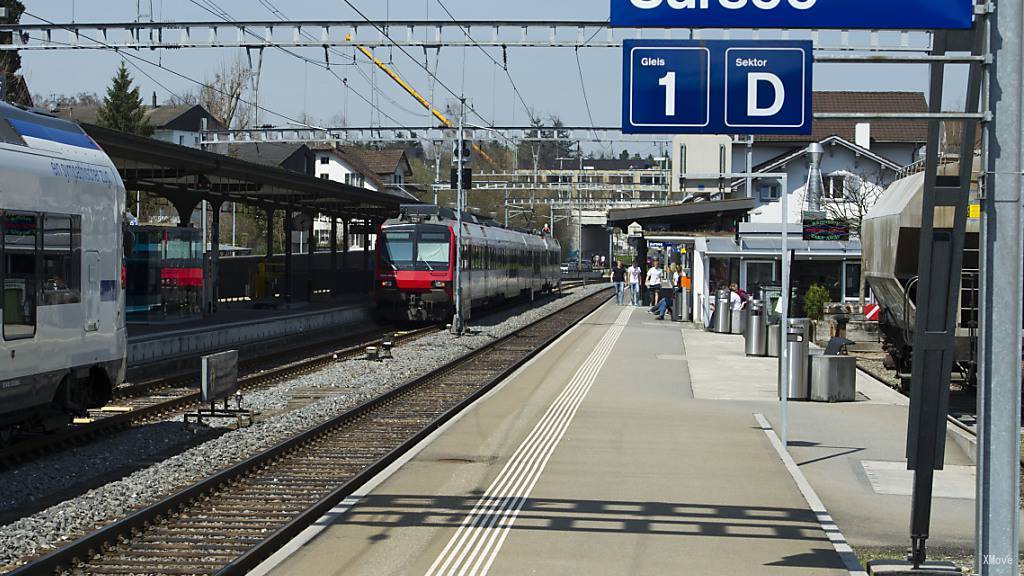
column 716, row 87
column 846, row 14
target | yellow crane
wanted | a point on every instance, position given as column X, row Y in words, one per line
column 419, row 98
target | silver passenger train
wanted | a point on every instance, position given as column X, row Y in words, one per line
column 62, row 341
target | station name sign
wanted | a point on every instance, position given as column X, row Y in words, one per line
column 845, row 14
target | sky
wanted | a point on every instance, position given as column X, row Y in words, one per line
column 548, row 78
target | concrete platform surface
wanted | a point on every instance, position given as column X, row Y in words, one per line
column 595, row 458
column 853, row 454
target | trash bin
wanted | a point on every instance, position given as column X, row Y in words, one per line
column 723, row 315
column 833, row 378
column 774, row 340
column 757, row 330
column 797, row 349
column 682, row 305
column 738, row 321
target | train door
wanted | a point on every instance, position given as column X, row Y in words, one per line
column 92, row 291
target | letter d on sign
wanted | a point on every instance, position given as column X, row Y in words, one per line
column 755, row 78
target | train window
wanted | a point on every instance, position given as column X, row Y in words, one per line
column 434, row 248
column 20, row 233
column 62, row 260
column 400, row 245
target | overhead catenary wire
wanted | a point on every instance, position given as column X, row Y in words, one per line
column 224, row 15
column 383, row 32
column 160, row 66
column 515, row 89
column 273, row 9
column 586, row 101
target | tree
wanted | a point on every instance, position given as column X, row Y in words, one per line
column 624, row 155
column 858, row 195
column 122, row 107
column 16, row 90
column 549, row 143
column 227, row 95
column 57, row 102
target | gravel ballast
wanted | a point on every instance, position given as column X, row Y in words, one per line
column 355, row 380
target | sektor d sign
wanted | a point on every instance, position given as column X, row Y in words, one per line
column 869, row 14
column 716, row 87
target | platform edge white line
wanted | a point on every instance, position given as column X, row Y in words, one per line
column 825, row 521
column 325, row 521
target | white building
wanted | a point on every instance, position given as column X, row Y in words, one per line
column 349, row 165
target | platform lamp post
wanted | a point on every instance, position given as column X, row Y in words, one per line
column 784, row 318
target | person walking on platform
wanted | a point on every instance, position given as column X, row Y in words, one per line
column 619, row 279
column 634, row 284
column 654, row 277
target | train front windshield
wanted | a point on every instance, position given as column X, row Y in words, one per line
column 424, row 247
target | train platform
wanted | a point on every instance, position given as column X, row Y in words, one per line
column 238, row 325
column 636, row 446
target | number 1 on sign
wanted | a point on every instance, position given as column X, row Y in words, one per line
column 669, row 82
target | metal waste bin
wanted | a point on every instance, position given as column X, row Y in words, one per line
column 774, row 340
column 682, row 305
column 833, row 378
column 738, row 321
column 723, row 316
column 757, row 330
column 797, row 343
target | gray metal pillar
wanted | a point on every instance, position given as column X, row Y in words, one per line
column 288, row 216
column 215, row 258
column 368, row 278
column 998, row 503
column 335, row 276
column 939, row 267
column 311, row 258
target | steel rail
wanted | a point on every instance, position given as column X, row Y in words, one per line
column 27, row 449
column 95, row 544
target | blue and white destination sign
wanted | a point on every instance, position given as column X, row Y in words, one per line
column 843, row 14
column 716, row 87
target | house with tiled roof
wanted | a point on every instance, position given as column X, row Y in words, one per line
column 390, row 165
column 865, row 151
column 899, row 141
column 177, row 124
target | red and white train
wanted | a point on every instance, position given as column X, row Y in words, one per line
column 415, row 271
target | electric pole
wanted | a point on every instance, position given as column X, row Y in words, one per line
column 458, row 322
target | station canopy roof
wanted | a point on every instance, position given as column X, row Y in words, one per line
column 772, row 248
column 187, row 175
column 679, row 216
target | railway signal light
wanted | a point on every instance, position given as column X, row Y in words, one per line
column 465, row 153
column 467, row 178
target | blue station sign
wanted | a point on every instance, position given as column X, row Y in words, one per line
column 845, row 14
column 716, row 87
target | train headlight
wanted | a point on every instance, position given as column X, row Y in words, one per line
column 387, row 284
column 440, row 284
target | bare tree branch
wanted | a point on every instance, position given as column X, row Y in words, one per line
column 224, row 96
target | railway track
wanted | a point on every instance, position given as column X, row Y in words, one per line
column 229, row 523
column 157, row 400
